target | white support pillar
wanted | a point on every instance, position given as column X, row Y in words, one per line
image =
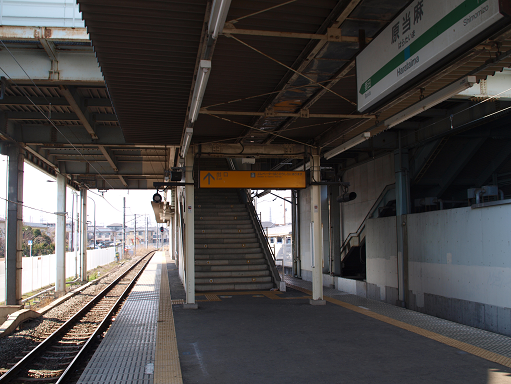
column 14, row 247
column 316, row 234
column 60, row 237
column 189, row 234
column 83, row 237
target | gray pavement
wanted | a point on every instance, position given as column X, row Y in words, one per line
column 247, row 339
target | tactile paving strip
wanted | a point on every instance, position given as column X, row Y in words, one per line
column 488, row 345
column 168, row 368
column 127, row 353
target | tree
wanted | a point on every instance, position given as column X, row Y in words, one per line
column 42, row 244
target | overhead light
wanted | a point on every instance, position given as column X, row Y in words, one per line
column 248, row 160
column 200, row 88
column 219, row 12
column 432, row 100
column 186, row 142
column 157, row 198
column 347, row 145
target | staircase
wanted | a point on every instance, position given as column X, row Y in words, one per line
column 228, row 254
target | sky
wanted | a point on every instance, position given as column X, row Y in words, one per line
column 40, row 194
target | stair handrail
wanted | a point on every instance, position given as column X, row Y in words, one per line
column 263, row 239
column 362, row 225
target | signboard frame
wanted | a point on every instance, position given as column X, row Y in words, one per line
column 252, row 179
column 421, row 39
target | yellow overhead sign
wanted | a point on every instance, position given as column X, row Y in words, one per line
column 253, row 180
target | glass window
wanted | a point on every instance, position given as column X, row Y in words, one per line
column 279, row 239
column 272, row 240
column 288, row 240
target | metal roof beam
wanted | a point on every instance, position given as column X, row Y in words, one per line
column 302, row 114
column 334, row 34
column 97, row 117
column 77, row 106
column 8, row 32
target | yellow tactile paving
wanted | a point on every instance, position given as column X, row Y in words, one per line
column 167, row 369
column 480, row 352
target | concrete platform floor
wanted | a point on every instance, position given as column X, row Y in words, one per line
column 273, row 337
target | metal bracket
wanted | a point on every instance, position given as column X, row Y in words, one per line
column 161, row 185
column 333, row 34
column 269, row 112
column 304, row 113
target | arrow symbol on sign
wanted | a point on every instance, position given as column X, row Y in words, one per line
column 209, row 176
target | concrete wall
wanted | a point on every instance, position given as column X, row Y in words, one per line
column 39, row 271
column 459, row 265
column 368, row 181
column 381, row 259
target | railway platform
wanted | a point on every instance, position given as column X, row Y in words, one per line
column 278, row 337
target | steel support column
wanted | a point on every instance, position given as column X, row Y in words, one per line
column 190, row 233
column 316, row 234
column 14, row 247
column 60, row 237
column 83, row 238
column 402, row 208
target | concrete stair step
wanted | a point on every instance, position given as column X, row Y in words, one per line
column 229, row 268
column 225, row 226
column 238, row 245
column 230, row 262
column 223, row 221
column 221, row 274
column 232, row 216
column 223, row 231
column 228, row 251
column 219, row 206
column 233, row 280
column 229, row 256
column 233, row 287
column 201, row 238
column 217, row 212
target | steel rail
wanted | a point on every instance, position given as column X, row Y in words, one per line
column 11, row 373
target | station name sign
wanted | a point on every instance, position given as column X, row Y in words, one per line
column 424, row 33
column 252, row 180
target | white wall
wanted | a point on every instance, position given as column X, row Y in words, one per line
column 368, row 181
column 461, row 253
column 39, row 271
column 381, row 254
column 459, row 265
column 55, row 13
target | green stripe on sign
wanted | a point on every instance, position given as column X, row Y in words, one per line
column 420, row 42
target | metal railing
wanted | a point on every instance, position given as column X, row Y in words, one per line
column 263, row 239
column 346, row 244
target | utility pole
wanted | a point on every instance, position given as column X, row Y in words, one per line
column 135, row 249
column 123, row 226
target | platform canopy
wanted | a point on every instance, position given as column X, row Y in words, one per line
column 274, row 82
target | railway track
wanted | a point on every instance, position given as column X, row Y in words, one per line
column 57, row 358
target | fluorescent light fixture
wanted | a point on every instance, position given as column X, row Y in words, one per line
column 200, row 88
column 347, row 145
column 432, row 100
column 219, row 12
column 186, row 142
